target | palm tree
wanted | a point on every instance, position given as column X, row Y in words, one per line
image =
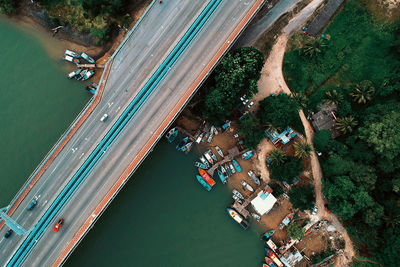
column 277, row 156
column 313, row 48
column 363, row 92
column 302, row 149
column 300, row 99
column 333, row 97
column 346, row 124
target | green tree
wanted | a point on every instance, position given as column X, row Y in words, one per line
column 236, row 75
column 277, row 156
column 281, row 111
column 300, row 99
column 383, row 133
column 295, row 231
column 313, row 48
column 302, row 149
column 346, row 124
column 287, row 171
column 251, row 129
column 276, row 189
column 7, row 6
column 333, row 97
column 363, row 92
column 321, row 140
column 302, row 197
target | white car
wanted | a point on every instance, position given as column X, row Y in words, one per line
column 315, row 210
column 104, row 118
column 250, row 104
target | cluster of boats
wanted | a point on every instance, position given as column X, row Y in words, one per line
column 271, row 259
column 79, row 74
column 184, row 145
column 207, row 136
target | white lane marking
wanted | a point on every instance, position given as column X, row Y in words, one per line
column 117, row 109
column 110, row 104
column 81, row 155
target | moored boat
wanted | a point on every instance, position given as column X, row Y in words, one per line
column 221, row 176
column 87, row 57
column 203, row 183
column 212, row 155
column 238, row 218
column 88, row 75
column 254, row 178
column 199, row 138
column 232, row 168
column 186, row 148
column 265, row 265
column 246, row 186
column 172, row 134
column 219, row 151
column 269, row 262
column 71, row 53
column 271, row 254
column 247, row 155
column 205, row 162
column 200, row 165
column 237, row 193
column 182, row 143
column 207, row 177
column 74, row 73
column 224, row 171
column 236, row 165
column 81, row 75
column 228, row 170
column 209, row 139
column 268, row 234
column 205, row 137
column 210, row 160
column 238, row 200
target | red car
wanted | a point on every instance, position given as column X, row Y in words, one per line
column 58, row 225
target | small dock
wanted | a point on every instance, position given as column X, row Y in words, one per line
column 241, row 208
column 232, row 153
column 95, row 66
column 184, row 132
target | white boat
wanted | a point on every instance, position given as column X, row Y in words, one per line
column 237, row 193
column 71, row 53
column 232, row 168
column 210, row 160
column 87, row 57
column 205, row 162
column 88, row 75
column 210, row 137
column 246, row 186
column 214, row 130
column 71, row 59
column 254, row 178
column 199, row 138
column 219, row 151
column 238, row 200
column 74, row 73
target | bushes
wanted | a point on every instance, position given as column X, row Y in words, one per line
column 322, row 140
column 302, row 197
column 286, row 171
column 7, row 6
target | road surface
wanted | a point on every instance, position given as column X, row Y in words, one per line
column 152, row 41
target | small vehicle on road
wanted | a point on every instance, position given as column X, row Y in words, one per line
column 32, row 204
column 8, row 233
column 104, row 118
column 315, row 210
column 58, row 225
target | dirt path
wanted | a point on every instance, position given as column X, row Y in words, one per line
column 272, row 81
column 261, row 165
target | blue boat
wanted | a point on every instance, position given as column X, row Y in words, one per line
column 221, row 176
column 203, row 183
column 87, row 57
column 236, row 165
column 200, row 165
column 171, row 135
column 182, row 143
column 247, row 155
column 228, row 170
column 268, row 234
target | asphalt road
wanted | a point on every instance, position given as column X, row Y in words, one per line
column 154, row 38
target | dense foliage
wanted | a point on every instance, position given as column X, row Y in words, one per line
column 302, row 197
column 286, row 171
column 7, row 6
column 94, row 16
column 280, row 111
column 236, row 75
column 295, row 231
column 251, row 129
column 358, row 70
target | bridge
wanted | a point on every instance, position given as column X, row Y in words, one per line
column 147, row 82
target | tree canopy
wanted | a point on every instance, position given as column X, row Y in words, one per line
column 236, row 75
column 302, row 197
column 321, row 140
column 287, row 170
column 295, row 231
column 281, row 111
column 251, row 129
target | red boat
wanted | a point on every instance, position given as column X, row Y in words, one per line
column 206, row 177
column 273, row 257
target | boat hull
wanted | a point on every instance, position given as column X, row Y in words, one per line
column 207, row 177
column 203, row 183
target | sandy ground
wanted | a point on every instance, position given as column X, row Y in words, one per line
column 272, row 81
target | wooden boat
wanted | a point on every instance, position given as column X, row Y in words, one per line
column 232, row 168
column 205, row 162
column 210, row 160
column 238, row 218
column 200, row 165
column 228, row 170
column 203, row 183
column 247, row 155
column 238, row 200
column 207, row 177
column 212, row 155
column 88, row 75
column 219, row 151
column 236, row 165
column 271, row 254
column 246, row 186
column 254, row 178
column 182, row 143
column 237, row 193
column 221, row 176
column 268, row 234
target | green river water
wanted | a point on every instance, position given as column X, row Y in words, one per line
column 162, row 217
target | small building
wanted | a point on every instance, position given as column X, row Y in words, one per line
column 280, row 139
column 290, row 259
column 325, row 119
column 263, row 202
